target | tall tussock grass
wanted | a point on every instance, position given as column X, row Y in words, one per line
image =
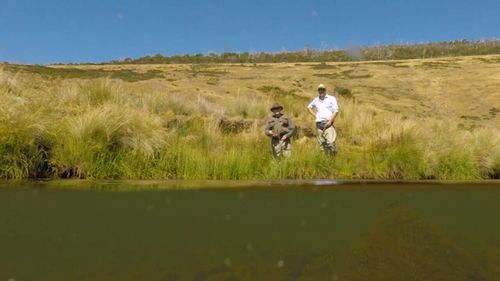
column 100, row 129
column 98, row 93
column 23, row 132
column 22, row 146
column 102, row 135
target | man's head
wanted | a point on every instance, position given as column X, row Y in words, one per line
column 321, row 91
column 276, row 108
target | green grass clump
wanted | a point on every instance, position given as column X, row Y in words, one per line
column 456, row 166
column 22, row 154
column 396, row 158
column 98, row 93
column 24, row 141
column 96, row 143
column 344, row 92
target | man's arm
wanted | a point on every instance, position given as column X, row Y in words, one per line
column 312, row 108
column 335, row 112
column 312, row 111
column 290, row 129
column 268, row 130
column 332, row 119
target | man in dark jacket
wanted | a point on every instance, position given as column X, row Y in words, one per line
column 280, row 128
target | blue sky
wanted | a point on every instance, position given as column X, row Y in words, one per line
column 52, row 31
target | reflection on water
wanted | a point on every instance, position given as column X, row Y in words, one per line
column 368, row 232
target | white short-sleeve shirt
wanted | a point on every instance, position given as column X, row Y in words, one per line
column 324, row 108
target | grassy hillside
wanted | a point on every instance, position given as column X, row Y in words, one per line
column 411, row 119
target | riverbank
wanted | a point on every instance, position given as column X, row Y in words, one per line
column 408, row 120
column 246, row 185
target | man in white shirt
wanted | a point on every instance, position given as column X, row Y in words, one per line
column 324, row 108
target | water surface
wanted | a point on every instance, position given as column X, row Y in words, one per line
column 319, row 230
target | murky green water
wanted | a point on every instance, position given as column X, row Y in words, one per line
column 277, row 231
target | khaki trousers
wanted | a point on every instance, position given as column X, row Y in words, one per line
column 281, row 148
column 326, row 139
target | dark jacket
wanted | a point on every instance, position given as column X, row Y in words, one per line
column 280, row 125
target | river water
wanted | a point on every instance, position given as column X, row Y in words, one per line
column 309, row 230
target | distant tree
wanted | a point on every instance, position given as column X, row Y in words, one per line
column 379, row 52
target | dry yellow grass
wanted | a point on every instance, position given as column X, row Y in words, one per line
column 465, row 89
column 432, row 118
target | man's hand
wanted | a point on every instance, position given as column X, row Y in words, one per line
column 283, row 138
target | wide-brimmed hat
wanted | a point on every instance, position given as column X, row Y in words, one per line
column 276, row 106
column 321, row 86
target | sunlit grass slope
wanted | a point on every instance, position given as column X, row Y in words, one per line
column 413, row 119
